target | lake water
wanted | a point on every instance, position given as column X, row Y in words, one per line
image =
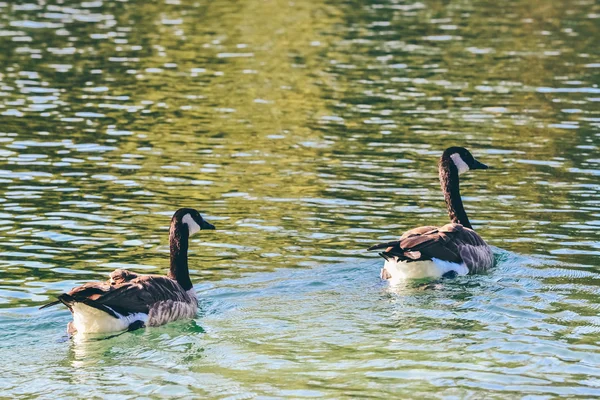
column 305, row 131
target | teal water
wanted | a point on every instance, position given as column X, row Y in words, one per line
column 305, row 131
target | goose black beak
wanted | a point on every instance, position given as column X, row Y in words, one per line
column 479, row 165
column 206, row 225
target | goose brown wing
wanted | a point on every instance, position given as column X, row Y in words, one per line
column 423, row 243
column 140, row 294
column 438, row 243
column 451, row 242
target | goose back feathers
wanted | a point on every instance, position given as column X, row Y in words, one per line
column 451, row 243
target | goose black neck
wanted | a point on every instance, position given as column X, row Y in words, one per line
column 178, row 243
column 451, row 188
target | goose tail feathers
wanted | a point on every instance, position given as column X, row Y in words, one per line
column 52, row 303
column 64, row 298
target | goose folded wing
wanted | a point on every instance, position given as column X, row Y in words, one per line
column 90, row 290
column 451, row 242
column 441, row 243
column 140, row 294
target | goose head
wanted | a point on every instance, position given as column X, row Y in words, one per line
column 462, row 159
column 192, row 219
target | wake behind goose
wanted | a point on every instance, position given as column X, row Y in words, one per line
column 129, row 300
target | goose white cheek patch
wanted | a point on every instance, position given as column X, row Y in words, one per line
column 193, row 227
column 460, row 164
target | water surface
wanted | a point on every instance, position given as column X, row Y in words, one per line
column 305, row 131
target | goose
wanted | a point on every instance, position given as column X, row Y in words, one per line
column 450, row 250
column 128, row 301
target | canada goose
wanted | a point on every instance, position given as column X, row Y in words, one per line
column 130, row 301
column 453, row 249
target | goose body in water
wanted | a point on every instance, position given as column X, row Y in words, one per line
column 453, row 249
column 128, row 300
